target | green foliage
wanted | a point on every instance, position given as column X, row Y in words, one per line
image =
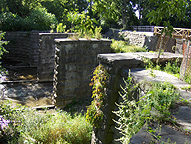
column 97, row 33
column 11, row 22
column 60, row 28
column 171, row 67
column 153, row 106
column 39, row 19
column 30, row 126
column 2, row 49
column 10, row 132
column 53, row 128
column 165, row 9
column 94, row 112
column 123, row 46
column 115, row 11
column 81, row 23
column 21, row 7
column 60, row 8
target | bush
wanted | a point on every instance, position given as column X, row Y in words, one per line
column 39, row 19
column 11, row 22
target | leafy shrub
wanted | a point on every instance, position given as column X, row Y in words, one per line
column 11, row 22
column 123, row 46
column 2, row 49
column 84, row 25
column 60, row 28
column 39, row 19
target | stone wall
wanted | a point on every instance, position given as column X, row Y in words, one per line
column 114, row 63
column 45, row 69
column 147, row 40
column 118, row 65
column 18, row 47
column 23, row 47
column 135, row 38
column 75, row 61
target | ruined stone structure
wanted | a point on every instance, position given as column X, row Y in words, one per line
column 23, row 47
column 75, row 61
column 118, row 65
column 45, row 68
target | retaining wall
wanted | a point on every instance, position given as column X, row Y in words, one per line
column 45, row 68
column 75, row 61
column 23, row 47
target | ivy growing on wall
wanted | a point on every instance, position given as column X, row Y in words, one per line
column 94, row 112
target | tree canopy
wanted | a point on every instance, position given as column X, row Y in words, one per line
column 108, row 13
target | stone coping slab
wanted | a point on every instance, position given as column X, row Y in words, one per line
column 140, row 75
column 56, row 33
column 80, row 39
column 120, row 57
column 163, row 57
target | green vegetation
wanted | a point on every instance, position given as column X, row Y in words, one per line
column 39, row 19
column 154, row 106
column 2, row 49
column 108, row 14
column 24, row 125
column 123, row 47
column 94, row 112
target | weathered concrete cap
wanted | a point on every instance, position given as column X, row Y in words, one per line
column 120, row 57
column 140, row 75
column 163, row 57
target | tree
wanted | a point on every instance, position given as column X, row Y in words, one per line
column 120, row 10
column 165, row 9
column 21, row 7
column 61, row 7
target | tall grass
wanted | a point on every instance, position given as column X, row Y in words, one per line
column 49, row 127
column 124, row 47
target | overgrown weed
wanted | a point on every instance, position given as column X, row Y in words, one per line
column 155, row 105
column 31, row 126
column 124, row 47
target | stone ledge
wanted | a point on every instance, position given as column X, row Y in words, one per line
column 166, row 56
column 81, row 40
column 126, row 58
